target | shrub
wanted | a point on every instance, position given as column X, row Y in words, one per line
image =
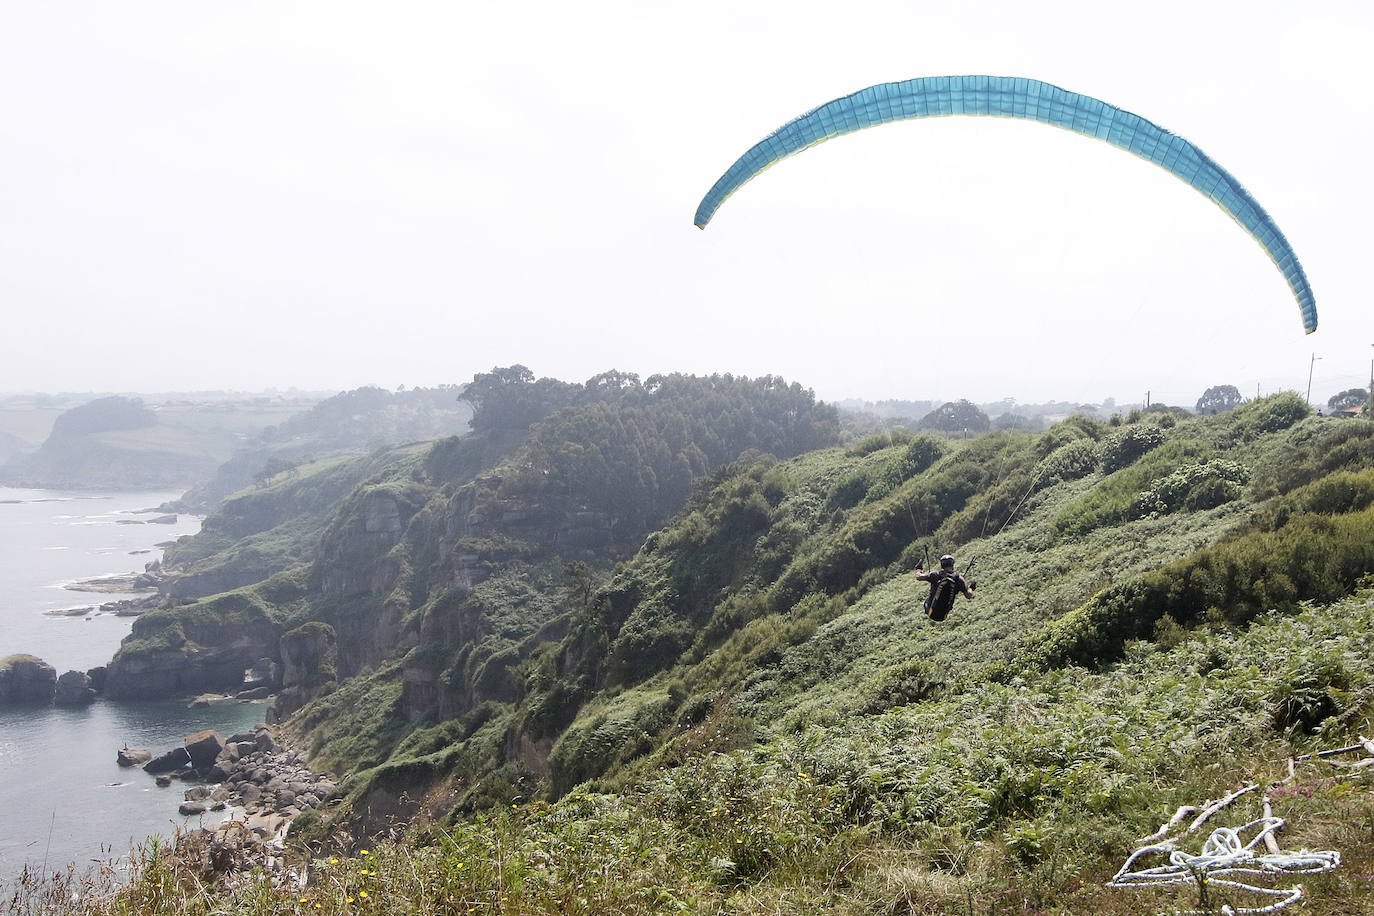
column 876, row 442
column 1077, row 459
column 1271, row 414
column 1069, row 430
column 1110, row 500
column 910, row 682
column 1312, row 557
column 1308, row 694
column 1205, row 485
column 1128, row 445
column 850, row 489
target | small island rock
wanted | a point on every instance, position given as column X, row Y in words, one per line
column 133, row 756
column 74, row 689
column 26, row 679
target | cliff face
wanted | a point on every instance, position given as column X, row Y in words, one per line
column 25, row 679
column 310, row 665
column 441, row 586
column 399, row 562
column 203, row 647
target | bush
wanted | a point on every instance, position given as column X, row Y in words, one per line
column 1196, row 486
column 918, row 456
column 876, row 442
column 1308, row 694
column 1271, row 414
column 1077, row 459
column 1072, row 429
column 1312, row 557
column 910, row 682
column 1128, row 445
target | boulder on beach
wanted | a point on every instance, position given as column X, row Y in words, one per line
column 203, row 747
column 174, row 760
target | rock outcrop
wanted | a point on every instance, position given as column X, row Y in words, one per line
column 310, row 661
column 203, row 648
column 26, row 679
column 174, row 761
column 133, row 756
column 203, row 748
column 74, row 689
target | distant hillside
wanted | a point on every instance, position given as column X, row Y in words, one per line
column 350, row 423
column 681, row 592
column 11, row 447
column 113, row 443
column 120, row 442
column 552, row 472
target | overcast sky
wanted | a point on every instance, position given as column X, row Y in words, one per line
column 324, row 195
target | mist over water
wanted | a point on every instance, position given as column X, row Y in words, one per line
column 62, row 796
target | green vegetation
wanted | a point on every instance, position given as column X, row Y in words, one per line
column 352, row 423
column 981, row 798
column 745, row 710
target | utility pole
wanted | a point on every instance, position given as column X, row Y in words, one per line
column 1310, row 367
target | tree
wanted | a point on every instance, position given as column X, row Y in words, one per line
column 1352, row 397
column 1219, row 399
column 954, row 416
column 510, row 398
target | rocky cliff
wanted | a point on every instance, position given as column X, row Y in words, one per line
column 25, row 679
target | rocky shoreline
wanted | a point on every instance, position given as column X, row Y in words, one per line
column 125, row 583
column 125, row 607
column 263, row 786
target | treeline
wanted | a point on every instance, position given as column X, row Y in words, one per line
column 632, row 449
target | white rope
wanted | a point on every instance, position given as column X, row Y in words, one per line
column 1224, row 853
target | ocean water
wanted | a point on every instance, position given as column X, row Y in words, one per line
column 63, row 798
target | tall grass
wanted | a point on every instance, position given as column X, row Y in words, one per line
column 985, row 798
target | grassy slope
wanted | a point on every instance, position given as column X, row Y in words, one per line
column 986, row 798
column 840, row 754
column 707, row 611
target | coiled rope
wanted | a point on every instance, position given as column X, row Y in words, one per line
column 1224, row 853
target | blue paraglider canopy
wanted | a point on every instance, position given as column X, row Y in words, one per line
column 1017, row 97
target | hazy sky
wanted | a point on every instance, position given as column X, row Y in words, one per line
column 325, row 195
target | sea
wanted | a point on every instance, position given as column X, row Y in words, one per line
column 63, row 798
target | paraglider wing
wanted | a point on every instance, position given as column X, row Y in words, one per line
column 1015, row 97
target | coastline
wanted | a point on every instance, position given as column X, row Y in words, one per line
column 257, row 784
column 63, row 798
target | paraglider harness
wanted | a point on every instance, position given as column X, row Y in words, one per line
column 944, row 585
